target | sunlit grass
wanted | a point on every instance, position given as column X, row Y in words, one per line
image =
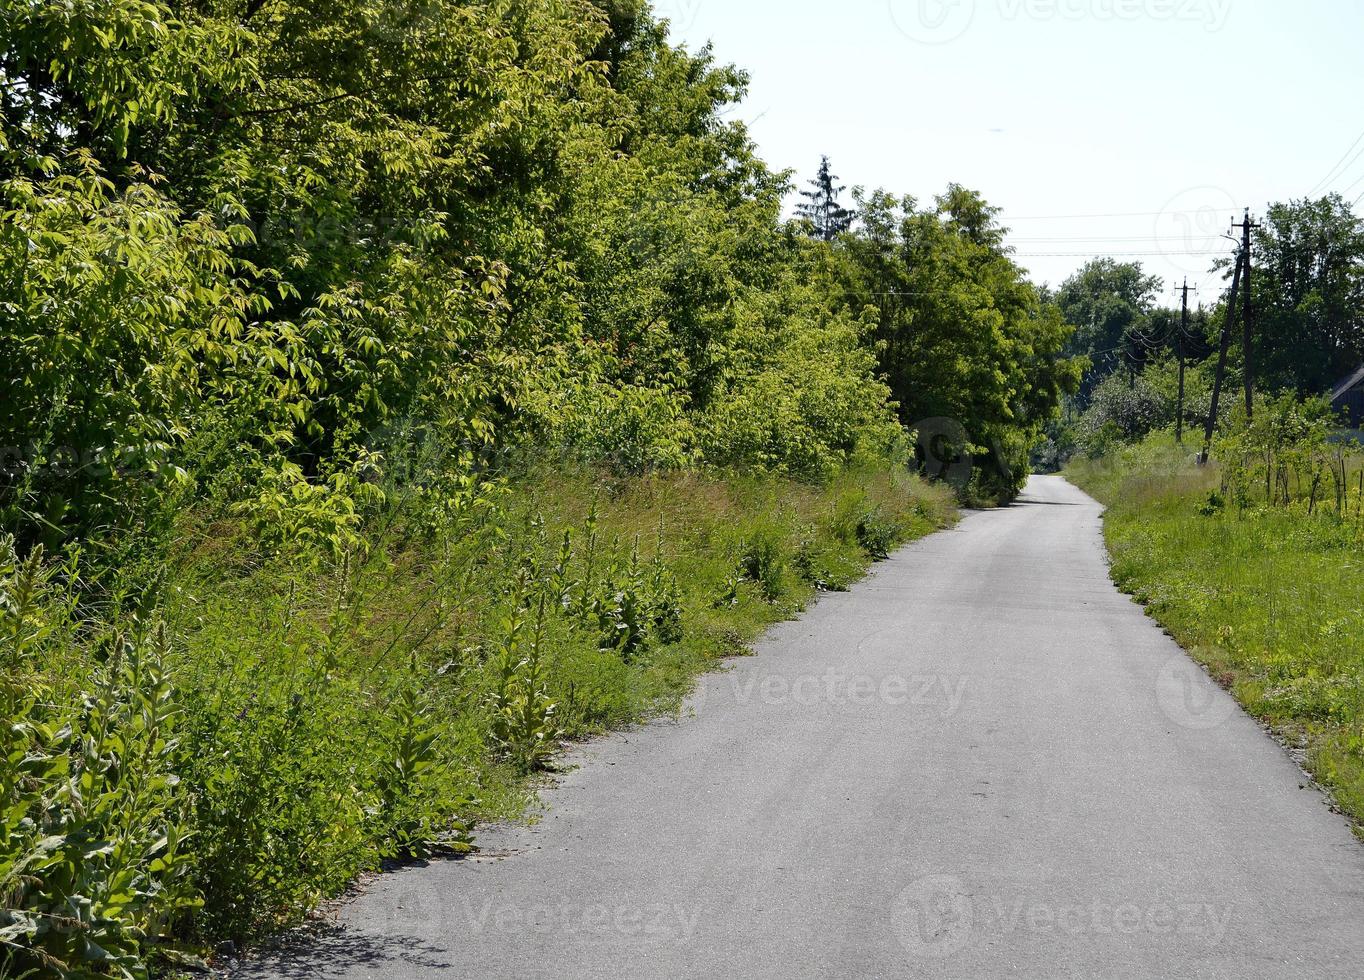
column 292, row 675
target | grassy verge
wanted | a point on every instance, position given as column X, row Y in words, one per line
column 1269, row 598
column 303, row 713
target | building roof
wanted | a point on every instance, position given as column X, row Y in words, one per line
column 1347, row 385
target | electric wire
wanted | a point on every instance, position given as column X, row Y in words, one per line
column 1072, row 255
column 1116, row 214
column 1332, row 173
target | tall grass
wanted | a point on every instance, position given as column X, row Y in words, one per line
column 318, row 709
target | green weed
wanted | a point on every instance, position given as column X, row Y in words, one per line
column 308, row 711
column 97, row 865
column 762, row 561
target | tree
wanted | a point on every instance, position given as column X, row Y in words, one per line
column 1308, row 295
column 969, row 214
column 821, row 206
column 960, row 333
column 1109, row 303
column 294, row 235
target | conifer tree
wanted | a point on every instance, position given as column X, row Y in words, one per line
column 821, row 206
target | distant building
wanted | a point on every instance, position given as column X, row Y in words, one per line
column 1348, row 397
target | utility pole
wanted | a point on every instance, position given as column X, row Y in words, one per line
column 1248, row 315
column 1221, row 362
column 1179, row 349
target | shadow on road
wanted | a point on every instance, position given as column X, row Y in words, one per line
column 334, row 951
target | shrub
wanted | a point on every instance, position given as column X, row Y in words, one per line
column 762, row 559
column 523, row 714
column 95, row 869
column 877, row 534
column 1123, row 409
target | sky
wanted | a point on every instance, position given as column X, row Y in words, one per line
column 1100, row 126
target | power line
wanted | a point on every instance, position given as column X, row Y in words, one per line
column 1103, row 254
column 1331, row 174
column 1351, row 188
column 1207, row 281
column 1111, row 350
column 1117, row 214
column 1183, row 239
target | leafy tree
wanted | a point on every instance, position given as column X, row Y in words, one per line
column 501, row 224
column 1308, row 295
column 969, row 214
column 821, row 207
column 960, row 333
column 1109, row 303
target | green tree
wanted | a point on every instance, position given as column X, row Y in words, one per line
column 480, row 220
column 1308, row 295
column 828, row 218
column 1109, row 304
column 959, row 331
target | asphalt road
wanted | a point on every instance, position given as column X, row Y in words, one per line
column 982, row 762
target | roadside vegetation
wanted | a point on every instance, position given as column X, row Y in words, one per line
column 283, row 721
column 1255, row 564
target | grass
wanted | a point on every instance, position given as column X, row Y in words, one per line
column 335, row 708
column 1269, row 598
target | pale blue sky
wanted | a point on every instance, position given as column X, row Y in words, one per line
column 1182, row 110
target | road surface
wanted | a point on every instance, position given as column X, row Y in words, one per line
column 983, row 761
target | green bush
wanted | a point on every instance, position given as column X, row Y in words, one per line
column 97, row 864
column 763, row 560
column 1126, row 409
column 877, row 534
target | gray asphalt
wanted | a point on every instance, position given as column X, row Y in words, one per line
column 983, row 761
